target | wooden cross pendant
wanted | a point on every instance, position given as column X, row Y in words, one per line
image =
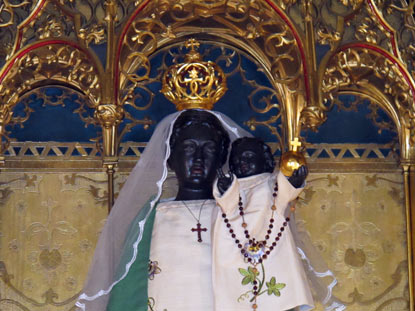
column 199, row 232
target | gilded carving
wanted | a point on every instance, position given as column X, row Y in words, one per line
column 270, row 34
column 60, row 62
column 52, row 27
column 374, row 75
column 95, row 33
column 326, row 36
column 353, row 3
column 7, row 11
column 367, row 31
column 312, row 117
column 109, row 115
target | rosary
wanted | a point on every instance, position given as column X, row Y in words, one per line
column 255, row 252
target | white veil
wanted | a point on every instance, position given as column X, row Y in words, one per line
column 145, row 184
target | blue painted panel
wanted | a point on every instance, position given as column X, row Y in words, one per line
column 53, row 117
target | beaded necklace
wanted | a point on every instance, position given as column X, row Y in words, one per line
column 255, row 252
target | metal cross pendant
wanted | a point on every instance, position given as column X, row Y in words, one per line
column 199, row 231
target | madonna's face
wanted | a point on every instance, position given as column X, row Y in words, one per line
column 247, row 159
column 195, row 157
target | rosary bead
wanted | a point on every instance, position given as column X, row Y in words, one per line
column 252, row 242
column 255, row 287
column 287, row 219
column 255, row 282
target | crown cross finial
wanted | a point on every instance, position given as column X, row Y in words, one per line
column 295, row 144
column 192, row 44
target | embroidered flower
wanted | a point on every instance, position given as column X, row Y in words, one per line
column 257, row 279
column 153, row 269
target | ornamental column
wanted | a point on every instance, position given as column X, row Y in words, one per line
column 109, row 116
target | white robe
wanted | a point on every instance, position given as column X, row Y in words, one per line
column 185, row 280
column 204, row 276
column 283, row 263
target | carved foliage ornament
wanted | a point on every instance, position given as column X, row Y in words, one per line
column 374, row 75
column 109, row 115
column 59, row 62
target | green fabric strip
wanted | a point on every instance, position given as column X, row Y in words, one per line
column 131, row 293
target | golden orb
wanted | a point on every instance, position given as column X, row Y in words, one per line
column 291, row 161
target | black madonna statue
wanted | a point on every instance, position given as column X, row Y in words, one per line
column 187, row 253
column 163, row 259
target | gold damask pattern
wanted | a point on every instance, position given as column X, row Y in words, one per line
column 45, row 244
column 361, row 235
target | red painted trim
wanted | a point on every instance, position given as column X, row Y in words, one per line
column 299, row 42
column 32, row 17
column 385, row 54
column 120, row 41
column 23, row 52
column 389, row 30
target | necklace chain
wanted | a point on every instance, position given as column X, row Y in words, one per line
column 200, row 210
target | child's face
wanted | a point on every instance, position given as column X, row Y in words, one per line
column 247, row 159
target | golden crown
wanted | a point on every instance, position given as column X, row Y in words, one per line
column 194, row 83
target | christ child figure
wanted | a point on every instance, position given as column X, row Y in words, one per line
column 258, row 259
